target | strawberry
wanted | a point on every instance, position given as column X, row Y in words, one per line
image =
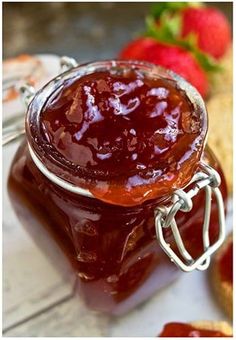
column 210, row 27
column 169, row 56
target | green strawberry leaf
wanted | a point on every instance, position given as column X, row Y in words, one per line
column 158, row 9
column 165, row 30
column 171, row 23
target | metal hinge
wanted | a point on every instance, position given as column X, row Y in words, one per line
column 209, row 180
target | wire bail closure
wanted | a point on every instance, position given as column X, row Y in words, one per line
column 208, row 180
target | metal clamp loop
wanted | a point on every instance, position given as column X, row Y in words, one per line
column 66, row 63
column 209, row 180
column 27, row 93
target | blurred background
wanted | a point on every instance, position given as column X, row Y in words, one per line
column 85, row 31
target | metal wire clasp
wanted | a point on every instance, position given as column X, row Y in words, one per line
column 209, row 180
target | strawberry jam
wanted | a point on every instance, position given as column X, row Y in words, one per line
column 178, row 329
column 125, row 132
column 226, row 264
column 129, row 133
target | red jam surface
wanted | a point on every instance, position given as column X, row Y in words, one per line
column 226, row 264
column 127, row 132
column 177, row 329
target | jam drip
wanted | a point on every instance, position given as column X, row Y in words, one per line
column 127, row 132
column 177, row 329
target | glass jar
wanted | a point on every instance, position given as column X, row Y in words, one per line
column 113, row 234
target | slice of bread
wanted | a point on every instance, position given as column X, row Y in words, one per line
column 221, row 326
column 222, row 81
column 220, row 113
column 220, row 136
column 223, row 290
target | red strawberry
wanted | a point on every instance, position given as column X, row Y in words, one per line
column 171, row 57
column 211, row 28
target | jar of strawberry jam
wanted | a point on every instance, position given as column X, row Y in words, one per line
column 115, row 173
